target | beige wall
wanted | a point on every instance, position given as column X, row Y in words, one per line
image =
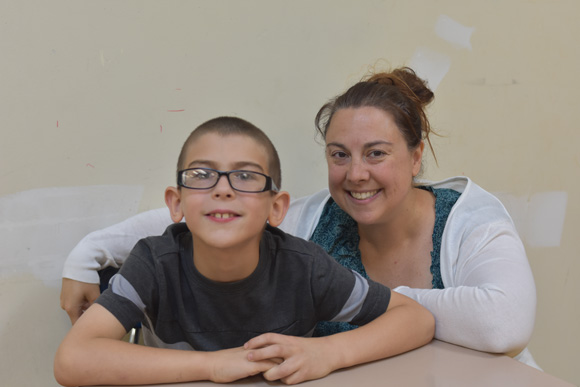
column 97, row 97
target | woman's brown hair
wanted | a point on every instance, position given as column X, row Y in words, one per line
column 400, row 93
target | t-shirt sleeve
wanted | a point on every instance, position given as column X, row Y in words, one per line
column 132, row 290
column 344, row 295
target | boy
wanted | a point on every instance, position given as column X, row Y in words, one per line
column 224, row 279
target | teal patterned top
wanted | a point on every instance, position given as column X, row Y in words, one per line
column 337, row 233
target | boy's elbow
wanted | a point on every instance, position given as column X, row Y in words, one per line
column 66, row 367
column 428, row 328
column 421, row 321
column 426, row 320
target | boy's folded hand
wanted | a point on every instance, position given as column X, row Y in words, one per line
column 232, row 364
column 298, row 358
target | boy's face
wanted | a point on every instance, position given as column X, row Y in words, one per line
column 221, row 217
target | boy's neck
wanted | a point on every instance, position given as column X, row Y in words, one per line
column 226, row 265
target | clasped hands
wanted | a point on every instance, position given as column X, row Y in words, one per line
column 289, row 359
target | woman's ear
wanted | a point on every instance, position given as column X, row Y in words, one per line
column 280, row 204
column 417, row 155
column 173, row 201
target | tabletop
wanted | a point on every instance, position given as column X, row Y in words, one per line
column 436, row 364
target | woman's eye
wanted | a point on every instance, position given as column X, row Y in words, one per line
column 376, row 154
column 338, row 155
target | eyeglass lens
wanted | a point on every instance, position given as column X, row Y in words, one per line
column 203, row 178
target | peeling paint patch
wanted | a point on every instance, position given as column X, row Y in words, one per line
column 430, row 65
column 38, row 228
column 454, row 32
column 539, row 218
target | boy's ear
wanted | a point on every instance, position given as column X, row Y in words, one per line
column 173, row 201
column 279, row 208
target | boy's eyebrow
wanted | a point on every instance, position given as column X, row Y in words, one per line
column 236, row 165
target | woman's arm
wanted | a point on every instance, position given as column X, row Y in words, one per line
column 489, row 300
column 112, row 245
column 99, row 249
column 93, row 353
column 405, row 325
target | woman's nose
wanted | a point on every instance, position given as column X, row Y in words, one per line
column 357, row 171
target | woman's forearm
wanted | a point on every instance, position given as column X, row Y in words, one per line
column 488, row 320
column 112, row 245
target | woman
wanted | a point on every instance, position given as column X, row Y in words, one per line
column 449, row 245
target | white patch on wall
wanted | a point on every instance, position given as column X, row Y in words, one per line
column 430, row 65
column 38, row 228
column 454, row 32
column 539, row 218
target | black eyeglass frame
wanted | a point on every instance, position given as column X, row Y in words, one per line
column 269, row 186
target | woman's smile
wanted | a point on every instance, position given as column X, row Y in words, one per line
column 363, row 195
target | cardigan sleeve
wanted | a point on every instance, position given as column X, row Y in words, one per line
column 304, row 213
column 489, row 299
column 111, row 246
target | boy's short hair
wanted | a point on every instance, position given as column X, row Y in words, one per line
column 226, row 126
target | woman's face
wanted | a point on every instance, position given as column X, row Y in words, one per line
column 370, row 167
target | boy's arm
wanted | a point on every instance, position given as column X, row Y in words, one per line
column 93, row 353
column 405, row 325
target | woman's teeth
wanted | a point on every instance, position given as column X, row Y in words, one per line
column 363, row 195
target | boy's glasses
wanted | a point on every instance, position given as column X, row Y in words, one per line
column 240, row 180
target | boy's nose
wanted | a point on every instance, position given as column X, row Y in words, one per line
column 223, row 188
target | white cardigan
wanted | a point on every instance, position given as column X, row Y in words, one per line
column 489, row 299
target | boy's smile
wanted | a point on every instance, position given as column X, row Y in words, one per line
column 222, row 216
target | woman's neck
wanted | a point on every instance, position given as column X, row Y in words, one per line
column 398, row 252
column 404, row 226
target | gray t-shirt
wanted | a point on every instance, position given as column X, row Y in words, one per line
column 295, row 285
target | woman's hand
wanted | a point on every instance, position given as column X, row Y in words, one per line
column 299, row 358
column 76, row 297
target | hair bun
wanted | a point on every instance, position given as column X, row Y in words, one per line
column 407, row 81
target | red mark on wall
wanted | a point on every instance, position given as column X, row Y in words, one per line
column 90, row 165
column 57, row 123
column 161, row 128
column 175, row 111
